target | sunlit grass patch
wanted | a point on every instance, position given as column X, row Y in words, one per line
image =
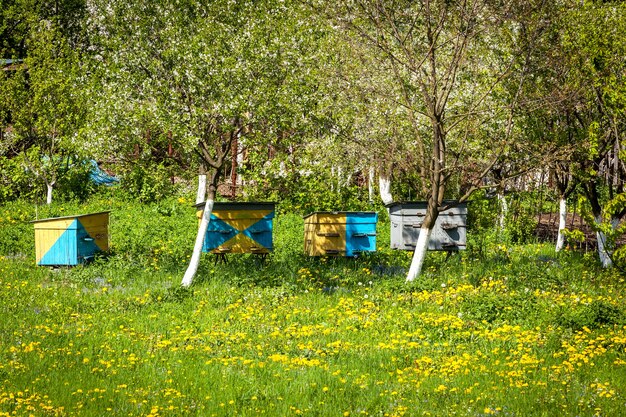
column 532, row 333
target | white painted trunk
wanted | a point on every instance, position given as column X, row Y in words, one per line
column 504, row 209
column 421, row 246
column 49, row 194
column 339, row 176
column 384, row 185
column 560, row 240
column 370, row 184
column 282, row 170
column 239, row 163
column 201, row 188
column 604, row 252
column 197, row 248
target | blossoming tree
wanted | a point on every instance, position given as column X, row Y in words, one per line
column 209, row 72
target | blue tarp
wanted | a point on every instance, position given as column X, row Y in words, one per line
column 99, row 177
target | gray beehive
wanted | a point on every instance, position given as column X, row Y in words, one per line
column 449, row 233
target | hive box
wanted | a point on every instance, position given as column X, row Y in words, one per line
column 340, row 233
column 449, row 233
column 71, row 240
column 239, row 228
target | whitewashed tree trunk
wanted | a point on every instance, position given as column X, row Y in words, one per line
column 421, row 246
column 339, row 176
column 240, row 163
column 49, row 193
column 370, row 184
column 384, row 185
column 197, row 248
column 282, row 170
column 560, row 240
column 504, row 209
column 604, row 251
column 200, row 195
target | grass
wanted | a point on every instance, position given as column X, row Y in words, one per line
column 499, row 330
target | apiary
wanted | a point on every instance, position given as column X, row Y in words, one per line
column 343, row 233
column 71, row 240
column 448, row 234
column 239, row 228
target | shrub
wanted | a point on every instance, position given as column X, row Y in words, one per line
column 148, row 183
column 592, row 316
column 16, row 182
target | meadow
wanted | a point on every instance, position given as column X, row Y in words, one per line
column 500, row 329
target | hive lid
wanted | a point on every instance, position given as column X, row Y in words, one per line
column 338, row 212
column 238, row 205
column 451, row 203
column 49, row 219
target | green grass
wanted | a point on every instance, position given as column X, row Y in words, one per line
column 498, row 330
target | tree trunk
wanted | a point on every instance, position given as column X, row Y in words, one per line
column 370, row 184
column 201, row 188
column 384, row 185
column 49, row 193
column 437, row 190
column 194, row 262
column 604, row 249
column 421, row 246
column 233, row 168
column 504, row 209
column 339, row 175
column 560, row 240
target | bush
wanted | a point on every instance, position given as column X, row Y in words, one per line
column 17, row 238
column 591, row 316
column 493, row 307
column 16, row 182
column 148, row 184
column 304, row 193
column 75, row 183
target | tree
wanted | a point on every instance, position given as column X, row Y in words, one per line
column 209, row 72
column 445, row 58
column 20, row 18
column 593, row 38
column 45, row 105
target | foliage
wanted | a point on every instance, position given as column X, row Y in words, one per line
column 148, row 183
column 521, row 226
column 574, row 235
column 303, row 188
column 15, row 182
column 214, row 74
column 590, row 316
column 43, row 105
column 17, row 238
column 18, row 18
column 75, row 183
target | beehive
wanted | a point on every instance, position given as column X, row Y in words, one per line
column 239, row 228
column 340, row 233
column 71, row 240
column 448, row 234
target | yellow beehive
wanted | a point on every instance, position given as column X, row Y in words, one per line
column 340, row 233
